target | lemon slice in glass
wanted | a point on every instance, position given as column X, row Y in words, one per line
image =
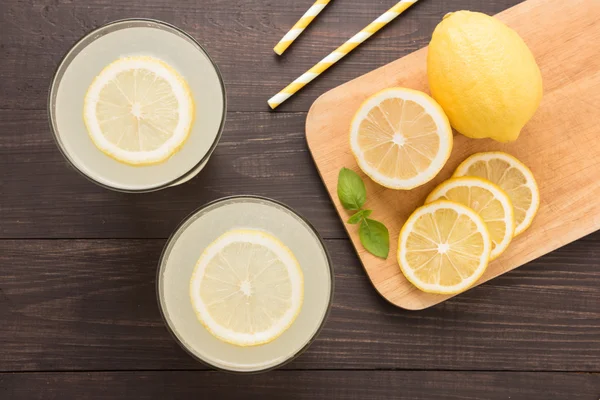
column 487, row 200
column 444, row 247
column 512, row 176
column 400, row 138
column 247, row 288
column 138, row 110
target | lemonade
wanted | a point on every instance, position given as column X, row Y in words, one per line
column 252, row 236
column 155, row 44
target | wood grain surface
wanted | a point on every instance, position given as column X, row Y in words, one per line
column 297, row 385
column 558, row 144
column 98, row 311
column 260, row 153
column 78, row 312
column 239, row 35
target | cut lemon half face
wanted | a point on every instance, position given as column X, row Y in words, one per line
column 139, row 110
column 512, row 176
column 247, row 288
column 444, row 247
column 486, row 199
column 400, row 138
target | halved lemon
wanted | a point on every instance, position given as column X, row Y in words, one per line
column 444, row 247
column 139, row 110
column 487, row 200
column 247, row 288
column 400, row 138
column 512, row 176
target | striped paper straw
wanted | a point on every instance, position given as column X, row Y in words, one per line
column 340, row 52
column 302, row 23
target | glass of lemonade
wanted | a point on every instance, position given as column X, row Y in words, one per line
column 189, row 87
column 231, row 255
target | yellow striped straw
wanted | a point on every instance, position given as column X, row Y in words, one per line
column 302, row 23
column 340, row 52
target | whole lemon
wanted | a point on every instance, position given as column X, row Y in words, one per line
column 483, row 75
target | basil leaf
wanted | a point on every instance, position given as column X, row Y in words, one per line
column 375, row 237
column 351, row 190
column 356, row 218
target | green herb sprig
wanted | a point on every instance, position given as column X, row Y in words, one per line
column 352, row 193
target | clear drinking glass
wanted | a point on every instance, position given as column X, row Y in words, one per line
column 136, row 37
column 187, row 243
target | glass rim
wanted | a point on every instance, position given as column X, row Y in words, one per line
column 224, row 200
column 65, row 62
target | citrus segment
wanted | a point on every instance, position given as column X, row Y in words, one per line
column 138, row 110
column 247, row 288
column 487, row 200
column 400, row 138
column 444, row 247
column 510, row 175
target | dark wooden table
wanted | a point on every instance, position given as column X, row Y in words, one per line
column 78, row 313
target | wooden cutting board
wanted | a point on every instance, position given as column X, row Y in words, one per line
column 561, row 144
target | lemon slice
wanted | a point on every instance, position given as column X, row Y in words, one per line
column 444, row 247
column 400, row 138
column 138, row 111
column 512, row 176
column 247, row 288
column 486, row 199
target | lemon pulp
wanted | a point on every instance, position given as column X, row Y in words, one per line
column 400, row 138
column 487, row 200
column 138, row 110
column 444, row 247
column 247, row 288
column 512, row 176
